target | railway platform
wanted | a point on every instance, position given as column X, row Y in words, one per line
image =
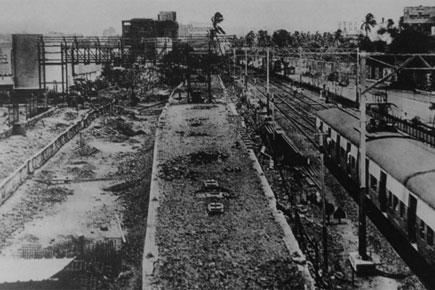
column 212, row 217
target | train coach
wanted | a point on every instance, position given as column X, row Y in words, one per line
column 400, row 174
column 283, row 147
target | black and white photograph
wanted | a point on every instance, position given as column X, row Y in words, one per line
column 217, row 144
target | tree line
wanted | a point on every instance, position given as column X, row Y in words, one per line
column 385, row 36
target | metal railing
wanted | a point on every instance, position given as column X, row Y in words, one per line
column 419, row 131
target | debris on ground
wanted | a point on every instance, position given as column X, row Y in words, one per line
column 82, row 171
column 196, row 134
column 204, row 157
column 68, row 116
column 86, row 150
column 58, row 194
column 223, row 237
column 179, row 167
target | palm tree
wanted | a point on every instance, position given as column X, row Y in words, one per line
column 390, row 23
column 216, row 29
column 250, row 38
column 263, row 38
column 392, row 30
column 402, row 25
column 368, row 23
column 215, row 20
column 338, row 37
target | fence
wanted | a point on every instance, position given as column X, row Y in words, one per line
column 421, row 132
column 29, row 123
column 13, row 181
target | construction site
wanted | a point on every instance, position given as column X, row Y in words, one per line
column 184, row 157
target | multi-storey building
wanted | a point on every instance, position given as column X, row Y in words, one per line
column 143, row 34
column 420, row 18
column 167, row 16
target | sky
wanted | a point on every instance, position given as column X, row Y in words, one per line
column 91, row 17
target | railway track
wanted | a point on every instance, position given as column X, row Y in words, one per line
column 295, row 116
column 296, row 120
column 302, row 120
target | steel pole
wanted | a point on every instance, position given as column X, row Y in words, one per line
column 362, row 230
column 267, row 70
column 209, row 71
column 267, row 81
column 273, row 115
column 246, row 68
column 357, row 77
column 324, row 229
column 234, row 64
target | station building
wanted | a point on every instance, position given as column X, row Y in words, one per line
column 420, row 18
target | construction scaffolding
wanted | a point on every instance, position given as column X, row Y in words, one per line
column 69, row 51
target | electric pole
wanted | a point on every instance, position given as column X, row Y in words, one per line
column 267, row 70
column 324, row 229
column 323, row 193
column 246, row 68
column 357, row 76
column 234, row 64
column 209, row 68
column 362, row 230
column 267, row 81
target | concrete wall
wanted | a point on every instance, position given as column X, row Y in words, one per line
column 25, row 60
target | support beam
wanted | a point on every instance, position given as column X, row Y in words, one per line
column 62, row 69
column 397, row 69
column 362, row 226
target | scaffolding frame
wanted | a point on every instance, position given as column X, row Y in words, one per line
column 69, row 51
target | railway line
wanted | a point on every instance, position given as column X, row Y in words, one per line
column 299, row 112
column 292, row 115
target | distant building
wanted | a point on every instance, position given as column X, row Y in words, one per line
column 141, row 34
column 420, row 18
column 139, row 28
column 167, row 16
column 135, row 29
column 193, row 30
column 349, row 28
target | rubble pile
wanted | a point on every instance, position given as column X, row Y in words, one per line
column 204, row 157
column 86, row 150
column 57, row 194
column 179, row 167
column 172, row 169
column 82, row 172
column 117, row 130
column 240, row 247
column 69, row 116
column 196, row 122
column 196, row 134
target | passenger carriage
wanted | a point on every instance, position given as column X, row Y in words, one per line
column 400, row 174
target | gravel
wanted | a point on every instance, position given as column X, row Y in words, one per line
column 239, row 249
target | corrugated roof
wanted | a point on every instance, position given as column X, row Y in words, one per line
column 409, row 161
column 24, row 270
